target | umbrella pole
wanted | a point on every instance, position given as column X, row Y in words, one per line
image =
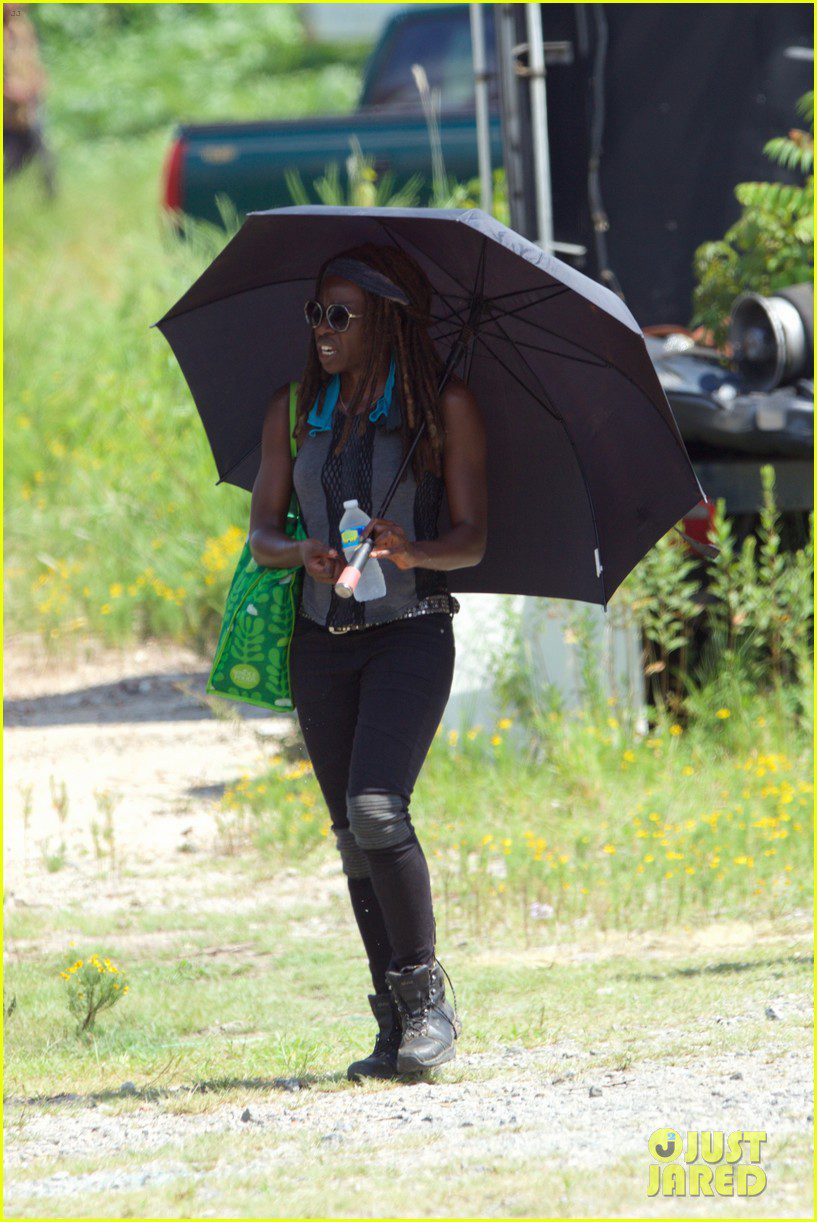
column 345, row 585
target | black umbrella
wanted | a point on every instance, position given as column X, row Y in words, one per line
column 586, row 466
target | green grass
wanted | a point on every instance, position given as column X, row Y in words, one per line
column 620, row 830
column 100, row 431
column 206, row 1036
column 295, row 1005
column 157, row 65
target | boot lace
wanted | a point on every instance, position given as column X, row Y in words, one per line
column 415, row 1022
column 448, row 978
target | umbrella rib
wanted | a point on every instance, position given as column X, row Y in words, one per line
column 479, row 286
column 605, row 362
column 542, row 402
column 425, row 255
column 549, row 406
column 237, row 463
column 442, row 338
column 557, row 288
column 554, row 290
column 528, row 305
column 521, row 343
column 610, row 365
column 270, row 284
column 454, row 312
column 564, row 339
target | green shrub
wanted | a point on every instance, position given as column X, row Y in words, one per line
column 771, row 245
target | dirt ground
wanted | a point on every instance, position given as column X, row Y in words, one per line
column 137, row 723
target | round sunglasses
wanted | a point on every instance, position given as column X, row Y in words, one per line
column 337, row 315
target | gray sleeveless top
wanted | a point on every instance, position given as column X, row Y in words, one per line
column 365, row 470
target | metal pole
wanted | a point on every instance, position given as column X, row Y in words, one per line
column 515, row 120
column 481, row 92
column 539, row 126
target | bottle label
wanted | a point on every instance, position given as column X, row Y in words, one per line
column 351, row 536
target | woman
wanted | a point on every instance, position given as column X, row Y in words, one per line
column 370, row 680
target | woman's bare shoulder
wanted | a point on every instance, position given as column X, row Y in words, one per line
column 457, row 397
column 279, row 401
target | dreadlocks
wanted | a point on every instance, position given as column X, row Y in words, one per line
column 395, row 328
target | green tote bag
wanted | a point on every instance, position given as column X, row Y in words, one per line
column 252, row 655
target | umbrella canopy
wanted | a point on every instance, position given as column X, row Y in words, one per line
column 586, row 466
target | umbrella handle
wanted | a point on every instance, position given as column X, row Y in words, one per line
column 346, row 584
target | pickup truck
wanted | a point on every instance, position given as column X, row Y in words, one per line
column 247, row 161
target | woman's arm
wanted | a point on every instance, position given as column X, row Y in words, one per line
column 272, row 491
column 466, row 485
column 466, row 489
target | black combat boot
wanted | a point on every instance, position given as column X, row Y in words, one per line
column 430, row 1023
column 382, row 1061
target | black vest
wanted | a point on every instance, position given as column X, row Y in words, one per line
column 364, row 471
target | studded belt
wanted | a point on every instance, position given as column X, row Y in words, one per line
column 426, row 606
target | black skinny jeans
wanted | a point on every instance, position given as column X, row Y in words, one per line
column 369, row 703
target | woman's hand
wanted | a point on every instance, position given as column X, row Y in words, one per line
column 390, row 542
column 322, row 563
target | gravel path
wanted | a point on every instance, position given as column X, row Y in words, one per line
column 517, row 1110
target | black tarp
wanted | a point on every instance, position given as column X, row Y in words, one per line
column 691, row 93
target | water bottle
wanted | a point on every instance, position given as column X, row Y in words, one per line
column 372, row 583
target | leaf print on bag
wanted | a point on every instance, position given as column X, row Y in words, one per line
column 243, row 581
column 279, row 615
column 276, row 672
column 248, row 639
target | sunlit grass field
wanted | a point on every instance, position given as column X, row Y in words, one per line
column 192, row 1015
column 114, row 527
column 609, row 827
column 110, row 496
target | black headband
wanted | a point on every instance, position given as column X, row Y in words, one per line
column 360, row 273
